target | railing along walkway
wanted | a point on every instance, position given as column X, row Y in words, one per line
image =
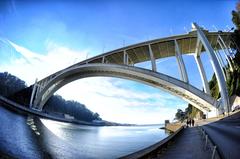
column 188, row 145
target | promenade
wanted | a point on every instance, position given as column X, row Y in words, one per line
column 222, row 130
column 225, row 133
column 188, row 145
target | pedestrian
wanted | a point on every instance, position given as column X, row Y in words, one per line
column 187, row 122
column 192, row 122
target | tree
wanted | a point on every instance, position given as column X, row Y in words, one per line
column 236, row 16
column 180, row 115
column 214, row 87
column 236, row 19
column 10, row 84
column 190, row 112
column 16, row 89
column 234, row 81
column 59, row 105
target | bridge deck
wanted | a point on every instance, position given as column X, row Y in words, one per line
column 188, row 145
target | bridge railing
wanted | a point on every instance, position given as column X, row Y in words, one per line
column 209, row 145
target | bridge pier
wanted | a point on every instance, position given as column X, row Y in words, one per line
column 214, row 112
column 221, row 63
column 202, row 74
column 200, row 67
column 181, row 65
column 153, row 61
column 125, row 58
column 33, row 94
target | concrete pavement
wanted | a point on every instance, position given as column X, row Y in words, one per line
column 188, row 145
column 225, row 134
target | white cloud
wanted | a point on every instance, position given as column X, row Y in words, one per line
column 114, row 99
column 120, row 104
column 31, row 65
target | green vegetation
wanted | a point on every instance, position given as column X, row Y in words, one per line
column 190, row 112
column 234, row 80
column 10, row 84
column 214, row 87
column 15, row 88
column 236, row 17
column 79, row 111
column 180, row 115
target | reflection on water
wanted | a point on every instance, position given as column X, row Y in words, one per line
column 31, row 123
column 17, row 139
column 26, row 137
column 108, row 141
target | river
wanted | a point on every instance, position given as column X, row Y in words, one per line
column 24, row 136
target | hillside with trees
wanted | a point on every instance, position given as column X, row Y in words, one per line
column 10, row 84
column 190, row 112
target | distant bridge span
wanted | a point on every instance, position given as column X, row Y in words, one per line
column 120, row 63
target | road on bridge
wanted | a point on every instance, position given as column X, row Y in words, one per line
column 225, row 134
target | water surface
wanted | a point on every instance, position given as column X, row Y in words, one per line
column 30, row 137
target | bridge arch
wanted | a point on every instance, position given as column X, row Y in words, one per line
column 172, row 85
column 121, row 63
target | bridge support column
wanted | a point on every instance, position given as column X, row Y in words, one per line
column 125, row 58
column 200, row 67
column 39, row 87
column 181, row 64
column 33, row 94
column 216, row 67
column 153, row 61
column 103, row 59
column 221, row 63
column 202, row 74
column 225, row 51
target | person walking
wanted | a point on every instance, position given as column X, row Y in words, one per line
column 192, row 122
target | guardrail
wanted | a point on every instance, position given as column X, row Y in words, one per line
column 152, row 150
column 209, row 144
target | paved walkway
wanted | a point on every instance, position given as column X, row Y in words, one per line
column 188, row 145
column 225, row 134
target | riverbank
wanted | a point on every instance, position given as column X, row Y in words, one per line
column 23, row 109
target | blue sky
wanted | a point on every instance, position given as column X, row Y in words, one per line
column 61, row 33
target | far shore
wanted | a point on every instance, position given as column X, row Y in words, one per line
column 25, row 110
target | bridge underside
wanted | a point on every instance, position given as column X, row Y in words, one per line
column 189, row 93
column 120, row 63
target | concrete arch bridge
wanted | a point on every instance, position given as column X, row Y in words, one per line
column 121, row 63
